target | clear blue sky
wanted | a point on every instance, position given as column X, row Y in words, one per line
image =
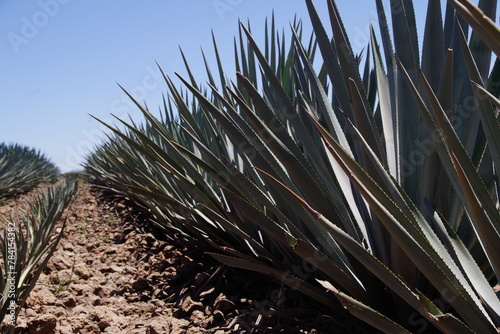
column 60, row 60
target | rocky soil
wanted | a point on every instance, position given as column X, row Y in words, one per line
column 111, row 273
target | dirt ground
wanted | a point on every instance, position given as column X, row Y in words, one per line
column 111, row 273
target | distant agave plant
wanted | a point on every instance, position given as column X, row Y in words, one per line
column 23, row 168
column 382, row 184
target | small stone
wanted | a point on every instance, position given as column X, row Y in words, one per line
column 140, row 284
column 97, row 302
column 82, row 271
column 197, row 317
column 81, row 310
column 111, row 250
column 111, row 329
column 110, row 269
column 80, row 289
column 103, row 324
column 69, row 302
column 44, row 324
column 45, row 297
column 21, row 326
column 90, row 329
column 65, row 329
column 117, row 269
column 30, row 313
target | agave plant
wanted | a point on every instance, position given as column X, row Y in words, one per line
column 379, row 185
column 23, row 168
column 28, row 241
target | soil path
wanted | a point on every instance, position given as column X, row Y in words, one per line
column 110, row 274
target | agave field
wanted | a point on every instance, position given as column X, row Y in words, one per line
column 22, row 168
column 367, row 182
column 30, row 236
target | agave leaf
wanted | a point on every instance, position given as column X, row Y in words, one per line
column 390, row 58
column 492, row 98
column 244, row 62
column 484, row 228
column 364, row 120
column 433, row 51
column 480, row 50
column 405, row 36
column 222, row 77
column 469, row 266
column 350, row 71
column 472, row 138
column 445, row 90
column 330, row 57
column 409, row 123
column 487, row 113
column 487, row 30
column 388, row 114
column 364, row 312
column 283, row 276
column 450, row 85
column 188, row 68
column 435, row 182
column 453, row 143
column 446, row 322
column 333, row 123
column 210, row 77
